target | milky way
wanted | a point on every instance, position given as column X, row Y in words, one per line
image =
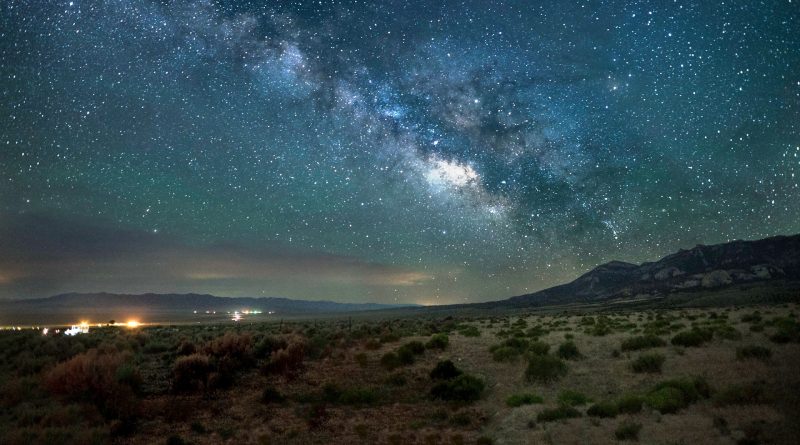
column 415, row 151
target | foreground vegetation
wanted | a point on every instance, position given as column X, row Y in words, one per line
column 670, row 376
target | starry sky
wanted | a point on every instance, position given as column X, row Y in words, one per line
column 415, row 151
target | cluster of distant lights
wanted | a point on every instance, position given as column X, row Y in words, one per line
column 81, row 328
column 237, row 315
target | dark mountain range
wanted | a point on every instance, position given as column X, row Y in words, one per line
column 162, row 307
column 702, row 268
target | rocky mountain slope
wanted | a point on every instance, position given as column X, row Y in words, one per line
column 700, row 268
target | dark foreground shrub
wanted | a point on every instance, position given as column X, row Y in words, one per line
column 539, row 348
column 234, row 347
column 445, row 370
column 286, row 361
column 753, row 351
column 390, row 361
column 744, row 394
column 630, row 403
column 106, row 378
column 505, row 354
column 523, row 399
column 603, row 409
column 271, row 395
column 628, row 430
column 545, row 368
column 642, row 342
column 692, row 338
column 464, row 388
column 358, row 396
column 408, row 352
column 191, row 372
column 568, row 351
column 648, row 363
column 562, row 412
column 787, row 330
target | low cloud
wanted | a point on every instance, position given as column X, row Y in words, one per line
column 42, row 255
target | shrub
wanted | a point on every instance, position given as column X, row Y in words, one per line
column 539, row 348
column 407, row 353
column 358, row 396
column 269, row 345
column 286, row 361
column 186, row 348
column 191, row 371
column 648, row 363
column 642, row 342
column 672, row 395
column 390, row 361
column 396, row 380
column 628, row 430
column 175, row 440
column 361, row 359
column 523, row 399
column 755, row 317
column 740, row 394
column 572, row 398
column 666, row 400
column 692, row 338
column 445, row 370
column 568, row 351
column 693, row 388
column 753, row 351
column 470, row 331
column 237, row 348
column 505, row 354
column 509, row 350
column 105, row 378
column 562, row 412
column 545, row 368
column 630, row 404
column 155, row 347
column 787, row 330
column 465, row 388
column 727, row 332
column 599, row 330
column 271, row 395
column 438, row 341
column 603, row 409
column 413, row 347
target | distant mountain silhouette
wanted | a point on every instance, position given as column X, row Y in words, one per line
column 185, row 303
column 700, row 268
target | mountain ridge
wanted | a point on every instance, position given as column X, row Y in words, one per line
column 703, row 267
column 188, row 302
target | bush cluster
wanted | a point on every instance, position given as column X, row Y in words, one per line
column 545, row 369
column 454, row 384
column 648, row 363
column 642, row 342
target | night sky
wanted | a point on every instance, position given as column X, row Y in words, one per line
column 390, row 151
